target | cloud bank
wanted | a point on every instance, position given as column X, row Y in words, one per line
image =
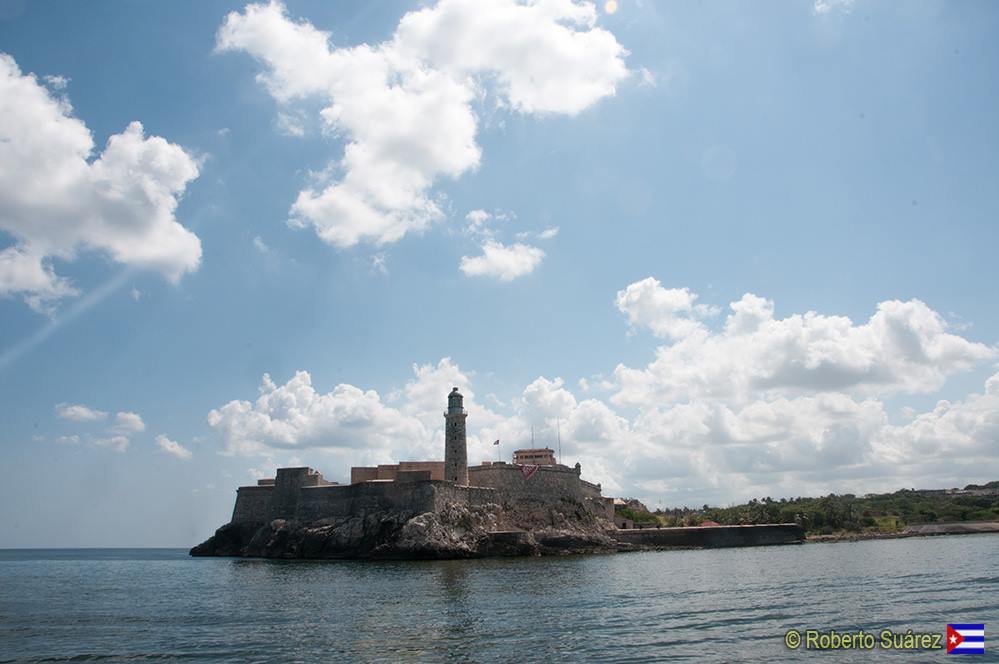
column 57, row 198
column 752, row 405
column 405, row 106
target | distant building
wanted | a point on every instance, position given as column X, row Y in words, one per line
column 537, row 457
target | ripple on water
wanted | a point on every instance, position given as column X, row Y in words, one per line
column 718, row 605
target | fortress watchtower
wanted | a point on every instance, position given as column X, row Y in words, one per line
column 455, row 446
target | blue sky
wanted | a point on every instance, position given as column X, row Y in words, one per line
column 611, row 184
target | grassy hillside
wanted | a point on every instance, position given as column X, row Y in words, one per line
column 887, row 512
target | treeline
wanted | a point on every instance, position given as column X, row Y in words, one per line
column 887, row 512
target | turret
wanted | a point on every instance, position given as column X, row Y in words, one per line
column 455, row 445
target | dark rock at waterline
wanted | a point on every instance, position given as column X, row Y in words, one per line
column 456, row 531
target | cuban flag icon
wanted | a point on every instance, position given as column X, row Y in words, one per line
column 965, row 639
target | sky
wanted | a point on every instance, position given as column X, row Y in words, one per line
column 719, row 251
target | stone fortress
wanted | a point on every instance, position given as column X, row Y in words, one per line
column 493, row 508
column 446, row 509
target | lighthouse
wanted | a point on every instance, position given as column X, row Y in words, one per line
column 455, row 447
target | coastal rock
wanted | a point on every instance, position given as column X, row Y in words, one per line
column 454, row 530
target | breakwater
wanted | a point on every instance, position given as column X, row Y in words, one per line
column 712, row 537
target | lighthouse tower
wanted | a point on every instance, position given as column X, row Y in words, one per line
column 455, row 448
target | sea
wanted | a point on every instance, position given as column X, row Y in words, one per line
column 720, row 605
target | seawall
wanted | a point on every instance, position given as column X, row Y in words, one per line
column 713, row 537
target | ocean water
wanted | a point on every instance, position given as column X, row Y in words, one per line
column 712, row 605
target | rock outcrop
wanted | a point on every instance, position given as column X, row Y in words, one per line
column 454, row 530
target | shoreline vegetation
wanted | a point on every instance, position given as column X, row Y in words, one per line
column 845, row 517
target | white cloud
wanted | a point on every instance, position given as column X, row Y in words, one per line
column 116, row 443
column 57, row 198
column 379, row 262
column 688, row 452
column 261, row 246
column 404, row 106
column 905, row 347
column 68, row 440
column 823, row 7
column 477, row 218
column 126, row 423
column 295, row 415
column 56, row 82
column 79, row 413
column 548, row 233
column 751, row 406
column 503, row 262
column 172, row 447
column 668, row 312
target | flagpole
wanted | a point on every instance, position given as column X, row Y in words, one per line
column 558, row 433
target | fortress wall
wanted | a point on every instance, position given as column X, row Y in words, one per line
column 713, row 537
column 447, row 492
column 590, row 490
column 363, row 474
column 345, row 500
column 416, row 497
column 253, row 503
column 436, row 468
column 287, row 485
column 548, row 484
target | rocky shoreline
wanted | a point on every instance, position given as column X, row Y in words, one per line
column 921, row 530
column 457, row 531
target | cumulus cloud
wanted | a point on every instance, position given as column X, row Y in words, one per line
column 115, row 443
column 79, row 413
column 404, row 106
column 295, row 415
column 116, row 437
column 58, row 198
column 905, row 347
column 172, row 447
column 746, row 406
column 126, row 423
column 503, row 262
column 668, row 312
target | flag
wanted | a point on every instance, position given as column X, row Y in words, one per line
column 497, row 442
column 528, row 470
column 966, row 639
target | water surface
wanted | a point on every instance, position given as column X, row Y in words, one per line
column 714, row 605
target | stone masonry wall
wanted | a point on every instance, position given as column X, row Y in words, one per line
column 358, row 499
column 253, row 504
column 548, row 486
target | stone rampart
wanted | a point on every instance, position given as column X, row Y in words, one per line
column 350, row 500
column 549, row 486
column 253, row 504
column 547, row 483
